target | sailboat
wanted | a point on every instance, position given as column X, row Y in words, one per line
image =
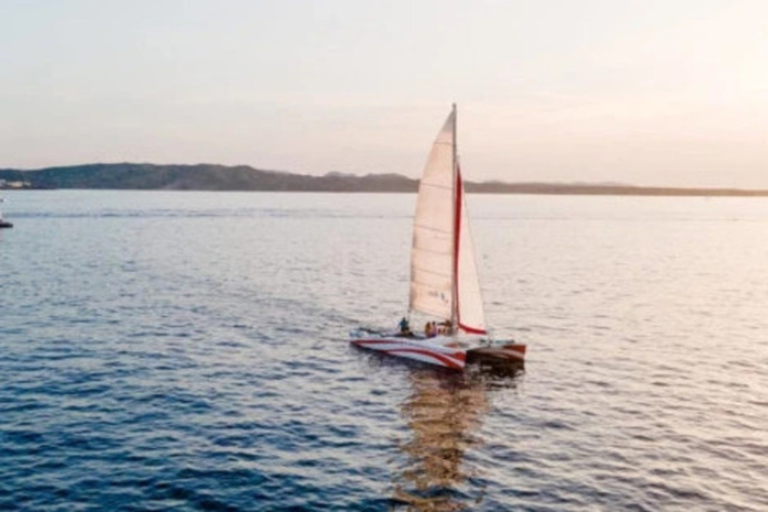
column 444, row 279
column 4, row 223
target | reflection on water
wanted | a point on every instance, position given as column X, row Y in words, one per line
column 444, row 412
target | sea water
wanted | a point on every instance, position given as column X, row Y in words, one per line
column 189, row 351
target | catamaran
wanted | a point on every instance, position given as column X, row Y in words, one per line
column 444, row 279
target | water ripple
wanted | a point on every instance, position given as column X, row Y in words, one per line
column 187, row 352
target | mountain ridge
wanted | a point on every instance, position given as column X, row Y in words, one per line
column 216, row 177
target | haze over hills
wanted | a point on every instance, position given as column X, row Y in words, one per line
column 133, row 176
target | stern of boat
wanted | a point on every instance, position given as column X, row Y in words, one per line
column 499, row 352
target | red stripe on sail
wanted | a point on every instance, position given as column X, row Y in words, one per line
column 471, row 330
column 457, row 240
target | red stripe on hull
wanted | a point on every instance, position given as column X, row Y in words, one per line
column 455, row 360
column 449, row 362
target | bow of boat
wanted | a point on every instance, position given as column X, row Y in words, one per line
column 440, row 351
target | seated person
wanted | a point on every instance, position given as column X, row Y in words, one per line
column 405, row 328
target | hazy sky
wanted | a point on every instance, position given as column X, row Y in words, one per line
column 647, row 92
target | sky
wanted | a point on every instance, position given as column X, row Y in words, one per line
column 644, row 92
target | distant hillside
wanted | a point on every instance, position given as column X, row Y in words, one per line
column 604, row 190
column 131, row 176
column 201, row 177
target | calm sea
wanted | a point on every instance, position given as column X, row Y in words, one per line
column 188, row 351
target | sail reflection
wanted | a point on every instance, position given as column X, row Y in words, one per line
column 444, row 412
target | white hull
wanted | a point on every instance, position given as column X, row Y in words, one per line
column 440, row 350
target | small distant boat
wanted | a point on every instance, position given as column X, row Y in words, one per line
column 444, row 280
column 4, row 223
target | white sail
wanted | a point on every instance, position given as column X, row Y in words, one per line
column 470, row 301
column 433, row 245
column 444, row 279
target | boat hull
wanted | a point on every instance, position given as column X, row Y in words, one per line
column 443, row 351
column 439, row 351
column 5, row 224
column 504, row 352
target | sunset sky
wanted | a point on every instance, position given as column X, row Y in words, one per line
column 643, row 92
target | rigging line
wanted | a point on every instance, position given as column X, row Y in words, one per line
column 429, row 312
column 431, row 272
column 431, row 251
column 429, row 228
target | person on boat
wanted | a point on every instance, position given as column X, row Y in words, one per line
column 428, row 331
column 405, row 328
column 445, row 328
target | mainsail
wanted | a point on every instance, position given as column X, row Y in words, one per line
column 444, row 280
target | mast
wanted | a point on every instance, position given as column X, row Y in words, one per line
column 455, row 252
